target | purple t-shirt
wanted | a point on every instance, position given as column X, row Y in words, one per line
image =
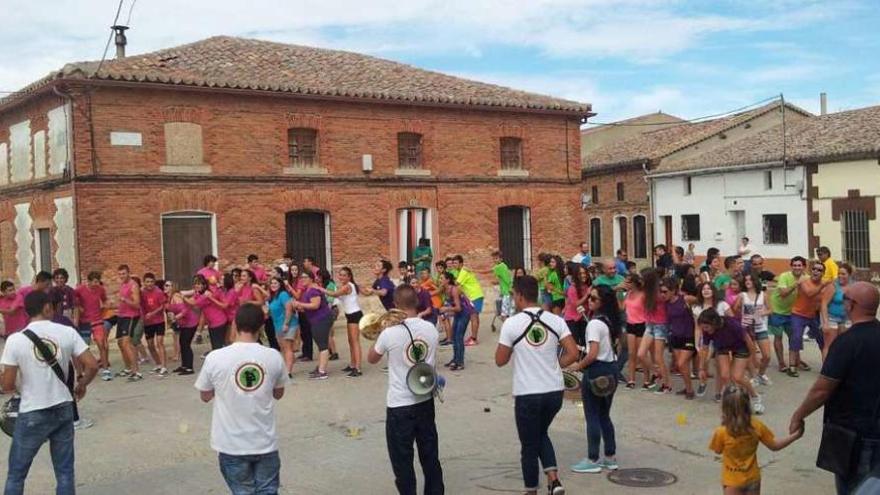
column 424, row 300
column 730, row 337
column 680, row 318
column 388, row 285
column 315, row 315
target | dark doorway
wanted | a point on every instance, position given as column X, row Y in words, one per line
column 667, row 230
column 186, row 239
column 307, row 235
column 44, row 238
column 514, row 236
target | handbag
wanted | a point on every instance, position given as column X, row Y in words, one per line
column 603, row 386
column 838, row 449
column 9, row 411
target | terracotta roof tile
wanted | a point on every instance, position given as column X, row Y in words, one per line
column 230, row 62
column 832, row 137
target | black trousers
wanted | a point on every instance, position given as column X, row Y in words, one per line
column 269, row 326
column 186, row 352
column 403, row 426
column 218, row 337
column 306, row 335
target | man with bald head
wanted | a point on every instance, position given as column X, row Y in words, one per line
column 610, row 276
column 848, row 386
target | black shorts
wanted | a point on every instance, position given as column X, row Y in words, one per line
column 151, row 331
column 682, row 343
column 558, row 303
column 637, row 329
column 735, row 353
column 354, row 318
column 578, row 331
column 125, row 326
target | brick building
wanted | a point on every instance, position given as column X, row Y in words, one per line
column 618, row 190
column 234, row 146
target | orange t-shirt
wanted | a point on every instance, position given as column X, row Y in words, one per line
column 808, row 307
column 431, row 287
column 739, row 455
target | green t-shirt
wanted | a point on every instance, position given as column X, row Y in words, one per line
column 469, row 284
column 422, row 257
column 540, row 275
column 505, row 278
column 556, row 293
column 782, row 305
column 721, row 281
column 612, row 282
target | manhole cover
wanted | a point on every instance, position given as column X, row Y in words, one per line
column 642, row 477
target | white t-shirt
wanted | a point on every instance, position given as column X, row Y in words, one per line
column 722, row 308
column 40, row 387
column 350, row 301
column 753, row 311
column 535, row 358
column 394, row 342
column 598, row 331
column 243, row 377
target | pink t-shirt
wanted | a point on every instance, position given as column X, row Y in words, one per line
column 570, row 313
column 245, row 294
column 259, row 273
column 152, row 300
column 24, row 291
column 730, row 297
column 214, row 314
column 89, row 300
column 658, row 315
column 16, row 321
column 212, row 275
column 126, row 310
column 635, row 308
column 190, row 315
column 231, row 304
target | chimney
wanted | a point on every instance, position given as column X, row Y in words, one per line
column 823, row 103
column 121, row 41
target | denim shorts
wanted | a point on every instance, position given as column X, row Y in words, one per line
column 762, row 335
column 778, row 324
column 478, row 305
column 658, row 331
column 85, row 331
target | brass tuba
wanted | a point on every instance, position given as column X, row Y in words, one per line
column 372, row 324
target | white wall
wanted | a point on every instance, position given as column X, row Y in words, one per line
column 714, row 196
column 4, row 164
column 24, row 243
column 65, row 237
column 20, row 151
column 59, row 144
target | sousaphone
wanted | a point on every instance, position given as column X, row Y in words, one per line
column 372, row 324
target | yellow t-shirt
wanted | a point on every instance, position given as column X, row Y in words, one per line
column 830, row 270
column 739, row 459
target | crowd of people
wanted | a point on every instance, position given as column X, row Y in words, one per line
column 606, row 322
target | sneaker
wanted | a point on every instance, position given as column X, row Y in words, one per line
column 664, row 389
column 83, row 424
column 319, row 376
column 186, row 371
column 754, row 382
column 142, row 360
column 792, row 372
column 555, row 488
column 587, row 466
column 135, row 377
column 765, row 380
column 347, row 369
column 354, row 374
column 385, row 369
column 178, row 369
column 649, row 387
column 689, row 396
column 631, row 385
column 123, row 373
column 106, row 374
column 758, row 406
column 334, row 356
column 445, row 342
column 609, row 464
column 701, row 390
column 471, row 342
column 162, row 372
column 155, row 371
column 717, row 397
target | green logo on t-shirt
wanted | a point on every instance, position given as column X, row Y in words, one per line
column 417, row 351
column 249, row 376
column 537, row 335
column 53, row 350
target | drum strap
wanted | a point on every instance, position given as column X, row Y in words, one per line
column 536, row 318
column 49, row 358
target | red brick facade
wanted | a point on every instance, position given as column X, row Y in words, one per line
column 120, row 192
column 608, row 208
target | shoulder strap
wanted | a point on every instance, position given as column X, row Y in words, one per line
column 536, row 318
column 47, row 354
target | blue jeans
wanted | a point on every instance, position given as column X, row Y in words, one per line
column 597, row 411
column 404, row 426
column 32, row 429
column 534, row 414
column 251, row 474
column 867, row 460
column 459, row 329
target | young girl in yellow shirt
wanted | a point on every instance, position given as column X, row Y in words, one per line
column 736, row 440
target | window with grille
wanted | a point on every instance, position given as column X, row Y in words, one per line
column 409, row 150
column 856, row 241
column 690, row 227
column 640, row 237
column 775, row 229
column 620, row 191
column 511, row 153
column 302, row 147
column 595, row 192
column 596, row 237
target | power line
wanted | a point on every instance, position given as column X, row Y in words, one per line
column 110, row 38
column 697, row 120
column 130, row 10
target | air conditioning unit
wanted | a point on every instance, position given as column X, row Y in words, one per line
column 367, row 163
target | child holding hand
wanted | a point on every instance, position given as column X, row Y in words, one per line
column 736, row 440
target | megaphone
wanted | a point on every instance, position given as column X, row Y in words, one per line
column 421, row 379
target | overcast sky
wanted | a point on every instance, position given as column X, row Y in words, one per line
column 626, row 57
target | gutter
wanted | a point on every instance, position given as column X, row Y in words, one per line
column 715, row 170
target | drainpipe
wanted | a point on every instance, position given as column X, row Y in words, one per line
column 649, row 249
